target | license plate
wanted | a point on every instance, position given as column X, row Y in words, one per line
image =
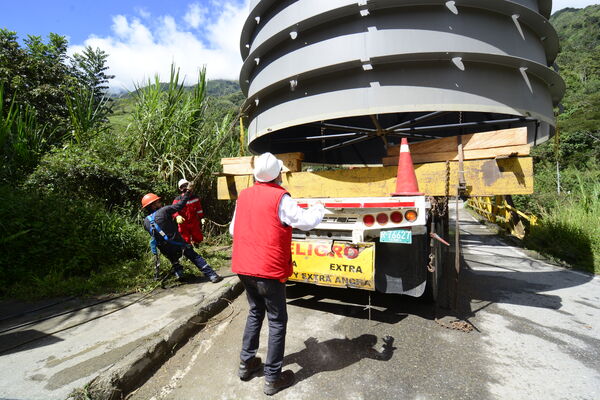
column 399, row 236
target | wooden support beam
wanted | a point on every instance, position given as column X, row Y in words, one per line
column 474, row 141
column 484, row 178
column 476, row 154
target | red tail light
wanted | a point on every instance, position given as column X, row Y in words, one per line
column 411, row 215
column 382, row 218
column 396, row 217
column 369, row 220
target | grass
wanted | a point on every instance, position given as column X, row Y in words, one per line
column 132, row 275
column 135, row 275
column 570, row 228
column 217, row 256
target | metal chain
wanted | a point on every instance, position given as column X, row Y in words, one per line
column 431, row 265
column 439, row 208
column 434, row 211
column 447, row 186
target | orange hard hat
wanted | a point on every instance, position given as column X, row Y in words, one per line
column 149, row 199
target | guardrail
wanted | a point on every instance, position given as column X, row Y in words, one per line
column 498, row 210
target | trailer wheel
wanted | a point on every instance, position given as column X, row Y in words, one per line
column 436, row 290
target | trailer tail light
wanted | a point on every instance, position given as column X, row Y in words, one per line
column 396, row 217
column 382, row 218
column 410, row 215
column 369, row 220
column 351, row 252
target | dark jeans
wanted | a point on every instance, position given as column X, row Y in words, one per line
column 265, row 295
column 173, row 253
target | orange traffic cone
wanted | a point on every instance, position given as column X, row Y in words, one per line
column 406, row 180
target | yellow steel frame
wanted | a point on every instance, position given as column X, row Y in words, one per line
column 498, row 211
column 483, row 178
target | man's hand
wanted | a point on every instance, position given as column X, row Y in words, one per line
column 190, row 187
column 179, row 219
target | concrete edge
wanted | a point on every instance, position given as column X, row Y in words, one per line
column 132, row 371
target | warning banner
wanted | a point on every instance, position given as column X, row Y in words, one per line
column 336, row 264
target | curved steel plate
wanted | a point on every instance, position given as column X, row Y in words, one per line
column 331, row 77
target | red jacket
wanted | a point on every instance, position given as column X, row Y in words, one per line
column 192, row 212
column 261, row 243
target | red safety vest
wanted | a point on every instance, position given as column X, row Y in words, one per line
column 261, row 243
column 192, row 212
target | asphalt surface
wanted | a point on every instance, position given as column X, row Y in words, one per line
column 536, row 335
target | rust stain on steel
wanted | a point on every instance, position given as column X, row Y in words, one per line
column 490, row 172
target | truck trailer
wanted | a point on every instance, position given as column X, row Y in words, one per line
column 357, row 88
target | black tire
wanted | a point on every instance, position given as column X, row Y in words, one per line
column 436, row 290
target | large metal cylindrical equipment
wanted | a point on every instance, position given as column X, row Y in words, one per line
column 340, row 80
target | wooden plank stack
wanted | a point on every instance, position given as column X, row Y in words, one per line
column 484, row 178
column 292, row 162
column 495, row 163
column 477, row 146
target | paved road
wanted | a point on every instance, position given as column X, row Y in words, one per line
column 45, row 355
column 537, row 336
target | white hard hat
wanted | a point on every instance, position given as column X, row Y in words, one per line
column 181, row 183
column 267, row 167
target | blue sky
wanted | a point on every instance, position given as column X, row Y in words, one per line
column 143, row 37
column 78, row 20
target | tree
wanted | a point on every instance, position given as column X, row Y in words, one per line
column 47, row 97
column 89, row 105
column 90, row 69
column 37, row 76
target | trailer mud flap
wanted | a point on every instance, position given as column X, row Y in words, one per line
column 337, row 264
column 401, row 268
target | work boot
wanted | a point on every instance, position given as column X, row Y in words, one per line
column 179, row 275
column 247, row 369
column 286, row 379
column 216, row 278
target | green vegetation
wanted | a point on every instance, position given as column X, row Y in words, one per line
column 570, row 225
column 182, row 135
column 61, row 245
column 75, row 164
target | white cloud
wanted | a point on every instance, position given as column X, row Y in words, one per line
column 560, row 4
column 195, row 15
column 143, row 12
column 140, row 49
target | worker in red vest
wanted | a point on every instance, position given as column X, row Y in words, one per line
column 189, row 220
column 262, row 237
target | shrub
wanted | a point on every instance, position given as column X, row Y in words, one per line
column 103, row 172
column 50, row 236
